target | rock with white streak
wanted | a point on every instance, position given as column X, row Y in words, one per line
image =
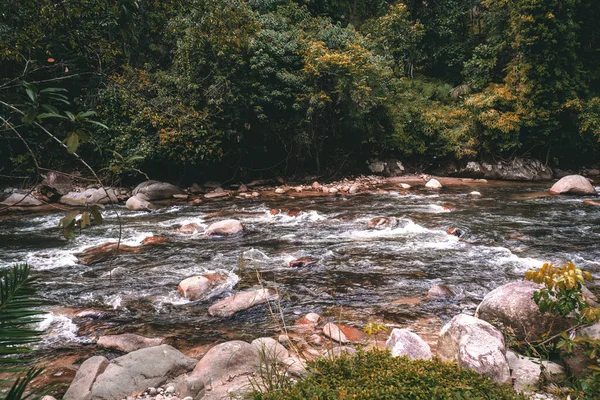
column 241, row 301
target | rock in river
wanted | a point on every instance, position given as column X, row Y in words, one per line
column 197, row 287
column 102, row 252
column 573, row 184
column 128, row 342
column 155, row 190
column 139, row 202
column 226, row 227
column 241, row 301
column 21, row 200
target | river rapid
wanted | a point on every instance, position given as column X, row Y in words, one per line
column 360, row 274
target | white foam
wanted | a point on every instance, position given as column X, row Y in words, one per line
column 409, row 228
column 59, row 329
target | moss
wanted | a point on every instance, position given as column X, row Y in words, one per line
column 377, row 375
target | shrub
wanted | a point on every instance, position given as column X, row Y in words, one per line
column 377, row 375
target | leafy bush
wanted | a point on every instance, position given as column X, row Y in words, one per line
column 377, row 375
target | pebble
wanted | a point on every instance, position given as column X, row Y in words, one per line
column 152, row 391
column 170, row 389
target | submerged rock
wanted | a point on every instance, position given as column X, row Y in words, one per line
column 103, row 252
column 302, row 262
column 190, row 228
column 241, row 301
column 128, row 342
column 139, row 202
column 440, row 292
column 573, row 184
column 475, row 344
column 382, row 223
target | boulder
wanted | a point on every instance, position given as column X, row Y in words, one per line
column 155, row 190
column 433, row 184
column 152, row 240
column 475, row 344
column 475, row 194
column 307, row 323
column 226, row 227
column 21, row 200
column 81, row 386
column 227, row 360
column 516, row 169
column 573, row 184
column 454, row 231
column 403, row 342
column 139, row 202
column 529, row 372
column 578, row 363
column 197, row 287
column 128, row 342
column 382, row 223
column 90, row 196
column 512, row 305
column 387, row 168
column 139, row 370
column 55, row 185
column 103, row 252
column 187, row 386
column 241, row 301
column 271, row 352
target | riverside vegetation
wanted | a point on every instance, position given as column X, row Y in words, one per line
column 215, row 89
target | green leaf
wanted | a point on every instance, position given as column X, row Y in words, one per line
column 50, row 108
column 97, row 123
column 83, row 115
column 68, row 219
column 97, row 216
column 72, row 142
column 50, row 115
column 31, row 93
column 53, row 90
column 85, row 219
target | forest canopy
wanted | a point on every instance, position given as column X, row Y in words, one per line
column 188, row 88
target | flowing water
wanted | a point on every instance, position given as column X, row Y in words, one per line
column 360, row 271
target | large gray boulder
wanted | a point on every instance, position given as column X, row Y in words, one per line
column 573, row 184
column 403, row 342
column 227, row 360
column 128, row 342
column 270, row 350
column 530, row 371
column 155, row 190
column 139, row 370
column 475, row 344
column 21, row 200
column 241, row 301
column 226, row 227
column 513, row 306
column 86, row 375
column 516, row 169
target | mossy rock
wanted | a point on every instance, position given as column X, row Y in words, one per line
column 376, row 375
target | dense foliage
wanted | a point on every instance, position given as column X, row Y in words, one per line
column 377, row 375
column 234, row 87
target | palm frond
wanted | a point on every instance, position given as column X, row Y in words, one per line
column 18, row 310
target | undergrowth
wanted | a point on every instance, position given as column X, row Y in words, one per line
column 376, row 375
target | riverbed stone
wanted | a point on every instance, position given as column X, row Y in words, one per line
column 190, row 228
column 403, row 342
column 475, row 344
column 139, row 370
column 128, row 342
column 433, row 184
column 227, row 360
column 189, row 387
column 139, row 202
column 512, row 305
column 86, row 375
column 90, row 196
column 530, row 371
column 21, row 200
column 155, row 190
column 226, row 227
column 573, row 184
column 197, row 287
column 334, row 332
column 241, row 301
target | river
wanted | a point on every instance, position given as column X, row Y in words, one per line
column 360, row 274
